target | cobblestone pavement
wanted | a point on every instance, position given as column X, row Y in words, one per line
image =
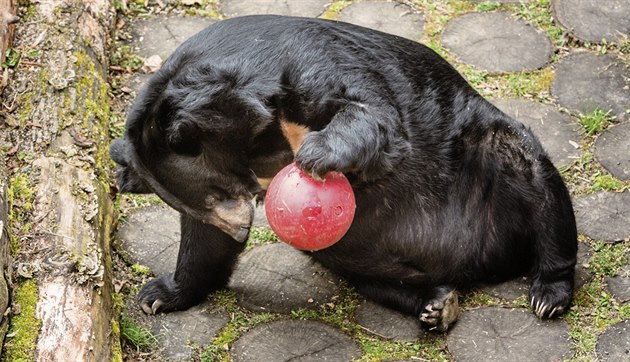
column 559, row 66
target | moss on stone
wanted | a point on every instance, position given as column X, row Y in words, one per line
column 332, row 12
column 24, row 327
column 140, row 270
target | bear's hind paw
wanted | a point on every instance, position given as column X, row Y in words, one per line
column 440, row 312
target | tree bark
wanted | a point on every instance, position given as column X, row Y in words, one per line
column 5, row 259
column 7, row 26
column 60, row 136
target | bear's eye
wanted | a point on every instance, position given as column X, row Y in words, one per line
column 215, row 196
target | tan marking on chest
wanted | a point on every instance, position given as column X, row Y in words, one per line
column 294, row 133
column 264, row 182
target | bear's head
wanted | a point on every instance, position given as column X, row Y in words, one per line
column 187, row 139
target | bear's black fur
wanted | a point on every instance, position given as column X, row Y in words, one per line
column 450, row 191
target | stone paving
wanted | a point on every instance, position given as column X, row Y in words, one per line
column 277, row 286
column 471, row 37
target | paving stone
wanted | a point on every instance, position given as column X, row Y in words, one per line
column 388, row 17
column 496, row 42
column 278, row 278
column 555, row 130
column 585, row 81
column 594, row 20
column 151, row 237
column 162, row 35
column 516, row 288
column 260, row 218
column 176, row 331
column 388, row 323
column 612, row 150
column 614, row 343
column 293, row 340
column 510, row 290
column 136, row 82
column 310, row 8
column 604, row 215
column 499, row 334
column 619, row 285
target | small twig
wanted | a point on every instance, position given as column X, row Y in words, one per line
column 26, row 62
column 374, row 333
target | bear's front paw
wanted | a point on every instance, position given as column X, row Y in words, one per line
column 162, row 294
column 317, row 157
column 550, row 299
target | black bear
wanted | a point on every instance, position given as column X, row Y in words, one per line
column 450, row 191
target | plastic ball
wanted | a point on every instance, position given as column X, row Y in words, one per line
column 309, row 214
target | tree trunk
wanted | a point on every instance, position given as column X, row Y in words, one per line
column 59, row 140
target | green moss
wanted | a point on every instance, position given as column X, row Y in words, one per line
column 94, row 113
column 207, row 8
column 118, row 301
column 332, row 12
column 24, row 326
column 607, row 182
column 140, row 270
column 25, row 110
column 117, row 355
column 20, row 197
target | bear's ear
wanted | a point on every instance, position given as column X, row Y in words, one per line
column 183, row 137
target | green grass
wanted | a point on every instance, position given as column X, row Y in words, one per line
column 538, row 14
column 487, row 6
column 240, row 322
column 595, row 122
column 608, row 258
column 124, row 57
column 135, row 335
column 206, row 8
column 261, row 236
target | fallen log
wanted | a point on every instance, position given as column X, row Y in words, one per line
column 59, row 138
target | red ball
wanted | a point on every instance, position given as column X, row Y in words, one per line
column 309, row 214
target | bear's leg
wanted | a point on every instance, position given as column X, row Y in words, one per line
column 205, row 262
column 556, row 253
column 436, row 307
column 551, row 289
